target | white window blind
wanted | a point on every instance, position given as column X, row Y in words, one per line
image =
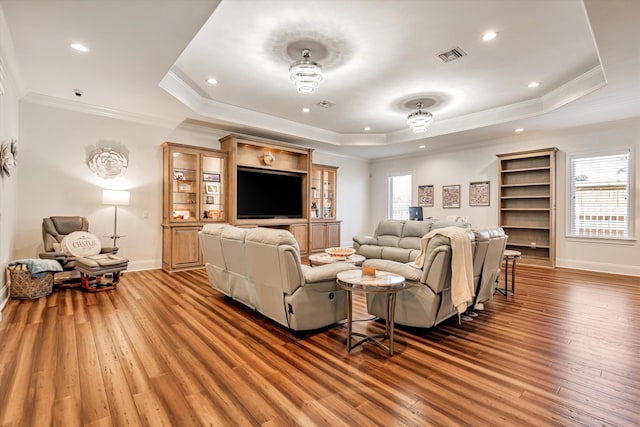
column 600, row 195
column 399, row 196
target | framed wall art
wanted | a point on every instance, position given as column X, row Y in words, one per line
column 425, row 195
column 451, row 196
column 479, row 193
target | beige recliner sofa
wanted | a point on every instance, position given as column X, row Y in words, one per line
column 426, row 299
column 398, row 240
column 261, row 268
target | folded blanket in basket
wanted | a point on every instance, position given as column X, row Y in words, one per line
column 37, row 267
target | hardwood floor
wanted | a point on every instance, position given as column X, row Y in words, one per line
column 165, row 349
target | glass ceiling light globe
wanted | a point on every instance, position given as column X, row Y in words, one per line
column 305, row 74
column 420, row 120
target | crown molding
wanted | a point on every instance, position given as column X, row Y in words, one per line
column 96, row 110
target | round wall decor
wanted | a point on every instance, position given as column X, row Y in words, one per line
column 108, row 163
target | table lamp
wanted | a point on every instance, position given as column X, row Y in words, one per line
column 115, row 198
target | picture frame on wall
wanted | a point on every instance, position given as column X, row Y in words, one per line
column 425, row 195
column 479, row 193
column 451, row 196
column 211, row 177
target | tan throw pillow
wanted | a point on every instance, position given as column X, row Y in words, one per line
column 81, row 243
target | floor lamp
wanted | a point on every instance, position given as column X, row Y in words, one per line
column 115, row 198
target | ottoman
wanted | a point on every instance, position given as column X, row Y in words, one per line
column 96, row 270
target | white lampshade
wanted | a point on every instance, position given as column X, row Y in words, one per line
column 115, row 197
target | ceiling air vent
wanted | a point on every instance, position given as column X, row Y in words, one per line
column 451, row 55
column 326, row 104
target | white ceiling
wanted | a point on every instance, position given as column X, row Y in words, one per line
column 151, row 58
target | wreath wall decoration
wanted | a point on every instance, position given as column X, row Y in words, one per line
column 108, row 163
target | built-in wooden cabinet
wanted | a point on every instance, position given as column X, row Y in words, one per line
column 527, row 204
column 325, row 228
column 194, row 193
column 269, row 185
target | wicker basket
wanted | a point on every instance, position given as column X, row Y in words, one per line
column 25, row 286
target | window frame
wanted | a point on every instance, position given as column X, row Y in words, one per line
column 630, row 202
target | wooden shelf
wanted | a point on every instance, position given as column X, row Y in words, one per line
column 527, row 203
column 526, row 184
column 524, row 197
column 526, row 169
column 524, row 209
column 523, row 227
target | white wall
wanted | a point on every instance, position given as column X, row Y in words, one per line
column 480, row 164
column 8, row 131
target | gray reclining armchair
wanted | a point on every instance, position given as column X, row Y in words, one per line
column 56, row 228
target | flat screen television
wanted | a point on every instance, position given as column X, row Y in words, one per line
column 268, row 194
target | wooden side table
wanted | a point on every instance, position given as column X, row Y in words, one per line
column 513, row 256
column 383, row 282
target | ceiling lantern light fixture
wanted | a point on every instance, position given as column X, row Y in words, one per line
column 305, row 74
column 420, row 120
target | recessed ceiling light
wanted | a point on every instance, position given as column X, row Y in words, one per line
column 367, row 129
column 519, row 130
column 533, row 84
column 421, row 146
column 212, row 81
column 305, row 110
column 489, row 36
column 79, row 47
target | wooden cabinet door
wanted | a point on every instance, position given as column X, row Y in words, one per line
column 299, row 231
column 185, row 247
column 332, row 234
column 317, row 237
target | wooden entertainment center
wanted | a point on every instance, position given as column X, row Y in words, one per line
column 269, row 156
column 200, row 186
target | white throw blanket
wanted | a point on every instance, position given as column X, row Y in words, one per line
column 462, row 291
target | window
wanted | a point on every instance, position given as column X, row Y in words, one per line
column 399, row 196
column 600, row 195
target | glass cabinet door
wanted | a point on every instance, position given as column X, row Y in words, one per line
column 212, row 189
column 328, row 196
column 184, row 194
column 316, row 193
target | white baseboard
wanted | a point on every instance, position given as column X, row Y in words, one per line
column 150, row 264
column 602, row 267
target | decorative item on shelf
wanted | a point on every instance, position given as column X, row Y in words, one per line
column 185, row 186
column 212, row 177
column 419, row 120
column 314, row 210
column 115, row 198
column 268, row 158
column 108, row 163
column 305, row 74
column 178, row 175
column 212, row 188
column 8, row 157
